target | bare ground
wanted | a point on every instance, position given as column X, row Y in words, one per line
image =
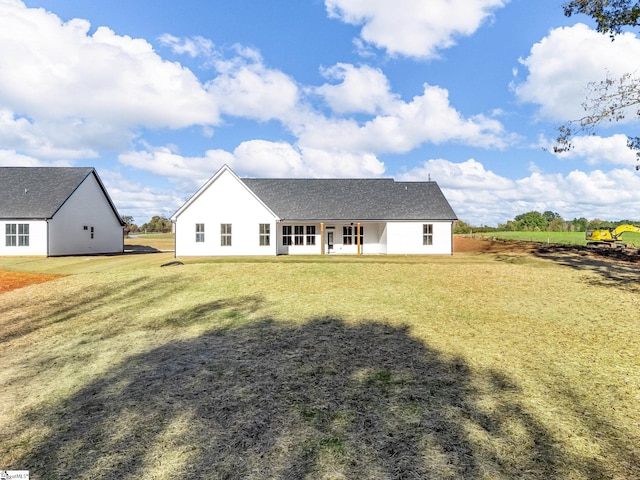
column 14, row 280
column 488, row 245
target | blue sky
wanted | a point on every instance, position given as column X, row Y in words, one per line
column 158, row 95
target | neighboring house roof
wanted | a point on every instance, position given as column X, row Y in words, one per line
column 352, row 199
column 39, row 192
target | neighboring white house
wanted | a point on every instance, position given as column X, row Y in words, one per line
column 229, row 215
column 57, row 211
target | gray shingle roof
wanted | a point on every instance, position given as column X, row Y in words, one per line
column 38, row 192
column 352, row 199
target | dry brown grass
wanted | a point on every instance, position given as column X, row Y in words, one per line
column 13, row 280
column 493, row 366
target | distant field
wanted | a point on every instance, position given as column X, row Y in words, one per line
column 160, row 241
column 472, row 366
column 572, row 238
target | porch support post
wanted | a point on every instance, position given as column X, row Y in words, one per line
column 321, row 238
column 358, row 236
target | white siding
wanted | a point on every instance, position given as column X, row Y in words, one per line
column 406, row 238
column 86, row 207
column 224, row 201
column 37, row 238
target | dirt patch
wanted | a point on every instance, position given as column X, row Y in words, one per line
column 13, row 280
column 489, row 245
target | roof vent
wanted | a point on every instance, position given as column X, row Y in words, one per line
column 26, row 190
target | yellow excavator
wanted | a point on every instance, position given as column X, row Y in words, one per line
column 610, row 237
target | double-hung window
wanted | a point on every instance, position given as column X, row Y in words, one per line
column 427, row 234
column 347, row 235
column 298, row 238
column 350, row 235
column 287, row 239
column 311, row 234
column 17, row 234
column 265, row 236
column 225, row 234
column 199, row 232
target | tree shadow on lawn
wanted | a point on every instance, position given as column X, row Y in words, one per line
column 614, row 272
column 325, row 399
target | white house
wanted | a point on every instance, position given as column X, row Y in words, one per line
column 229, row 215
column 57, row 211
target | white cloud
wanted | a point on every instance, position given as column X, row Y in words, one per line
column 194, row 47
column 261, row 158
column 565, row 61
column 245, row 87
column 54, row 70
column 480, row 196
column 596, row 150
column 67, row 93
column 254, row 158
column 405, row 125
column 413, row 28
column 59, row 140
column 362, row 89
column 138, row 200
column 11, row 158
column 165, row 162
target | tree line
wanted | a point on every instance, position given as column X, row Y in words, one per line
column 548, row 221
column 157, row 224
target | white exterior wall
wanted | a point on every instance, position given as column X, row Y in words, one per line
column 370, row 242
column 406, row 238
column 87, row 206
column 225, row 200
column 37, row 238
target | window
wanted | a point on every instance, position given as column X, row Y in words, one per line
column 199, row 232
column 17, row 234
column 286, row 235
column 427, row 234
column 350, row 235
column 347, row 235
column 298, row 239
column 11, row 235
column 225, row 234
column 265, row 238
column 92, row 232
column 311, row 234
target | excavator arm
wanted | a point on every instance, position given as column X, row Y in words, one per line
column 609, row 236
column 618, row 231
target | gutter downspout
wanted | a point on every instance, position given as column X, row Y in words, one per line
column 452, row 224
column 175, row 239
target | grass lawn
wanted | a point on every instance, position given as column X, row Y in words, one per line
column 159, row 241
column 472, row 366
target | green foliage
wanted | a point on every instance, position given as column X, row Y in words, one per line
column 461, row 227
column 578, row 224
column 541, row 222
column 610, row 15
column 129, row 226
column 157, row 224
column 531, row 222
